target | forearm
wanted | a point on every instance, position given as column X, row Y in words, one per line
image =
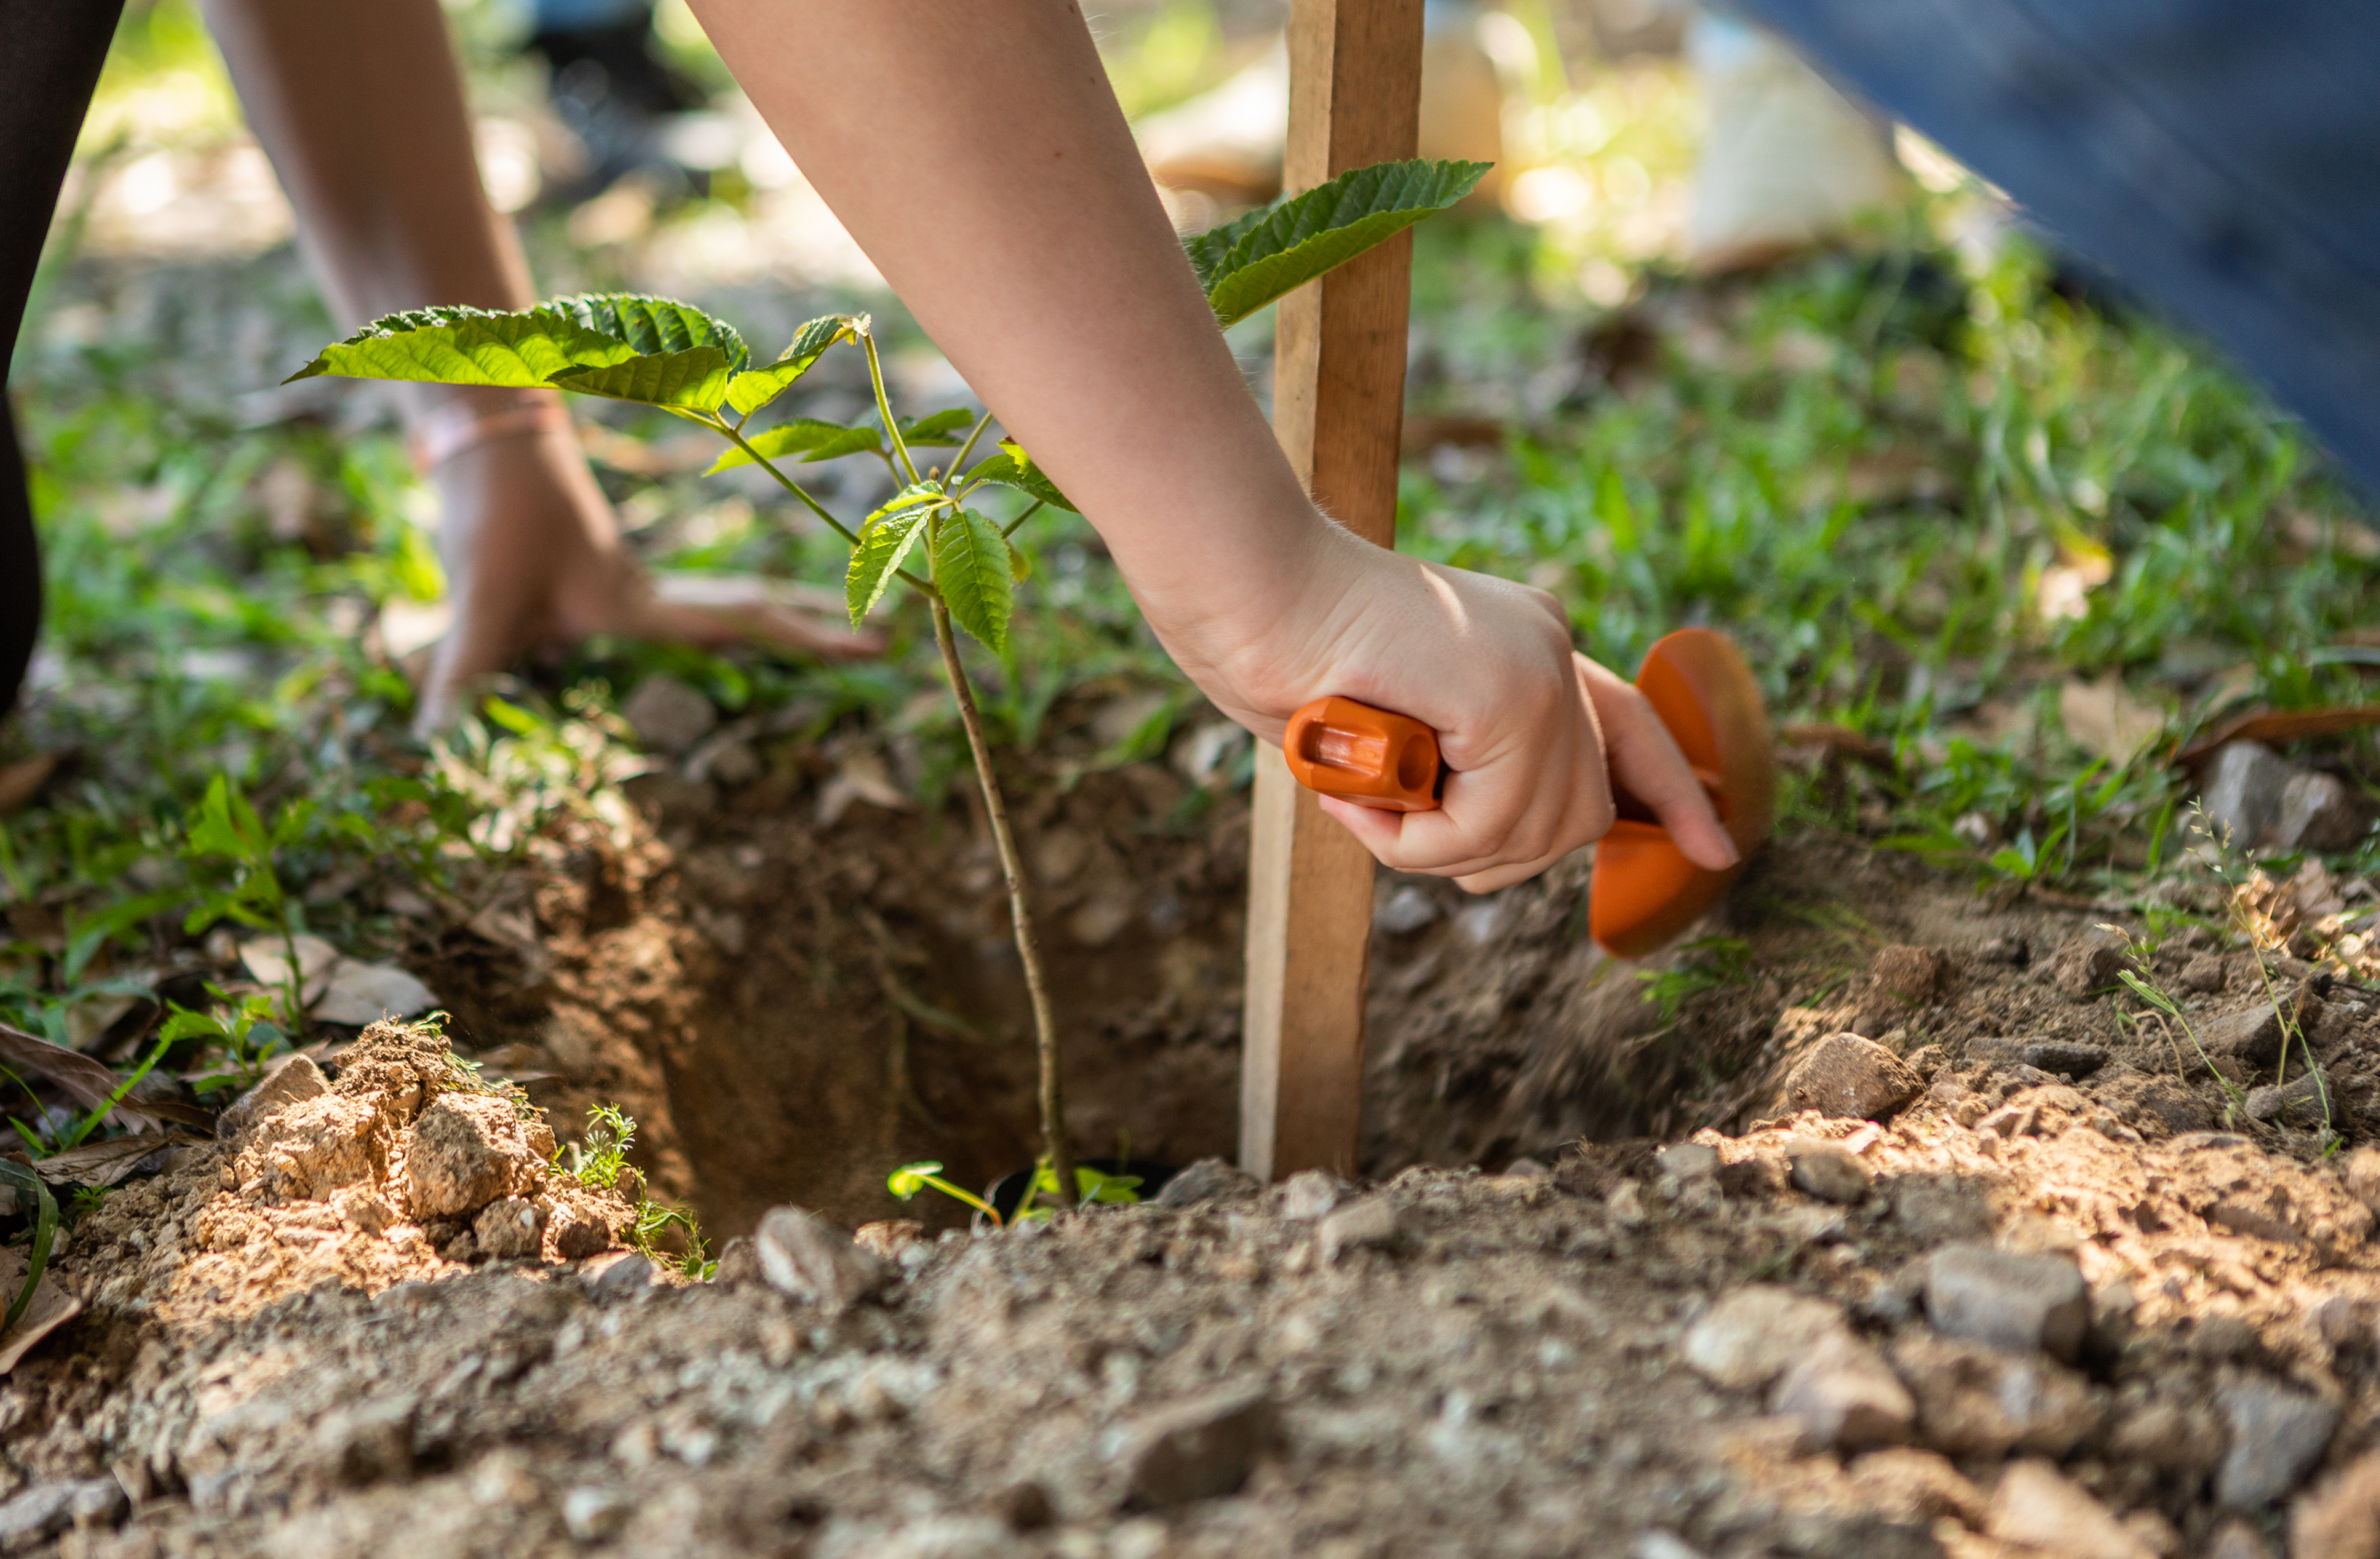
column 976, row 151
column 360, row 107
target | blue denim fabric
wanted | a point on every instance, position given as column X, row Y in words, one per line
column 2221, row 156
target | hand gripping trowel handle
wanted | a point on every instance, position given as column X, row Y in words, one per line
column 1644, row 891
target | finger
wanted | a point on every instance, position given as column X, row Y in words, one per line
column 1647, row 763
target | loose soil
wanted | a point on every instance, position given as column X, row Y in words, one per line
column 303, row 1341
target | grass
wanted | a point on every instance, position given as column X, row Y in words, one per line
column 1930, row 491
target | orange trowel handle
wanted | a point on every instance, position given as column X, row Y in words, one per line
column 1374, row 758
column 1380, row 758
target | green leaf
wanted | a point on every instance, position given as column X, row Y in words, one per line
column 1020, row 567
column 44, row 1213
column 883, row 545
column 970, row 560
column 696, row 378
column 810, row 438
column 910, row 1178
column 1245, row 264
column 87, row 937
column 937, row 431
column 1013, row 468
column 748, row 392
column 652, row 326
column 520, row 349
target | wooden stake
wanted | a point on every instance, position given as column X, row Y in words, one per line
column 1338, row 376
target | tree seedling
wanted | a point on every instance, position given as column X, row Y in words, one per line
column 930, row 535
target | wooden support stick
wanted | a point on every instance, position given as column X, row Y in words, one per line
column 1338, row 376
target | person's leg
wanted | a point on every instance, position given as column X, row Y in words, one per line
column 48, row 66
column 360, row 107
column 2220, row 155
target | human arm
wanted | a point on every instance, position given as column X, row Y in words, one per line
column 977, row 154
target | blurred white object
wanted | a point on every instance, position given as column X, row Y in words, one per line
column 1788, row 161
column 1226, row 144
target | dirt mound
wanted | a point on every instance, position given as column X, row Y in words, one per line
column 387, row 1175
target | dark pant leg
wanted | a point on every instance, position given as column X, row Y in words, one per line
column 49, row 56
column 2223, row 156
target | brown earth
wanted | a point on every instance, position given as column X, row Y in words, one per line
column 2075, row 1290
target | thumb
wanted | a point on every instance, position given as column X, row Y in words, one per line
column 1646, row 764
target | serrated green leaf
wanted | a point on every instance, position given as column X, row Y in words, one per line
column 749, row 390
column 883, row 545
column 810, row 438
column 695, row 378
column 971, row 570
column 1020, row 566
column 651, row 326
column 939, row 430
column 519, row 350
column 1013, row 468
column 1245, row 264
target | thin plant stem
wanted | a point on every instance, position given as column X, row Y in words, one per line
column 1053, row 1115
column 797, row 490
column 884, row 409
column 973, row 434
column 1037, row 506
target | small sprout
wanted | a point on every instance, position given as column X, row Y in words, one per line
column 911, row 1178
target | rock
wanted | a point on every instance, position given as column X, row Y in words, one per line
column 1209, row 1179
column 2205, row 975
column 2056, row 1056
column 1404, row 912
column 2340, row 1518
column 593, row 1513
column 1938, row 1208
column 98, row 1502
column 1845, row 1075
column 1688, row 1161
column 296, row 1078
column 2277, row 1434
column 888, row 1237
column 1197, row 1449
column 369, row 1443
column 668, row 715
column 465, row 1151
column 2241, row 794
column 1827, row 1172
column 1748, row 1338
column 2035, row 1507
column 2321, row 812
column 1917, row 1485
column 1845, row 1396
column 1370, row 1224
column 739, row 1262
column 2237, row 1540
column 365, row 1208
column 2017, row 1304
column 1309, row 1193
column 629, row 1274
column 1973, row 1401
column 1624, row 1205
column 2168, row 1436
column 510, row 1228
column 2299, row 1102
column 311, row 1148
column 809, row 1259
column 1912, row 973
column 2011, row 948
column 2363, row 1176
column 45, row 1509
column 2255, row 1035
column 578, row 1233
column 2086, row 964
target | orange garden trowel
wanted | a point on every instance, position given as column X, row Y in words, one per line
column 1644, row 891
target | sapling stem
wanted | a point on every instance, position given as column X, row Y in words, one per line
column 1054, row 1116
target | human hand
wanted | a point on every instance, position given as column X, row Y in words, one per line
column 1532, row 731
column 533, row 555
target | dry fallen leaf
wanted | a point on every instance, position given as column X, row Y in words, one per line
column 2275, row 727
column 267, row 961
column 365, row 993
column 107, row 1163
column 52, row 1307
column 21, row 782
column 88, row 1082
column 2108, row 721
